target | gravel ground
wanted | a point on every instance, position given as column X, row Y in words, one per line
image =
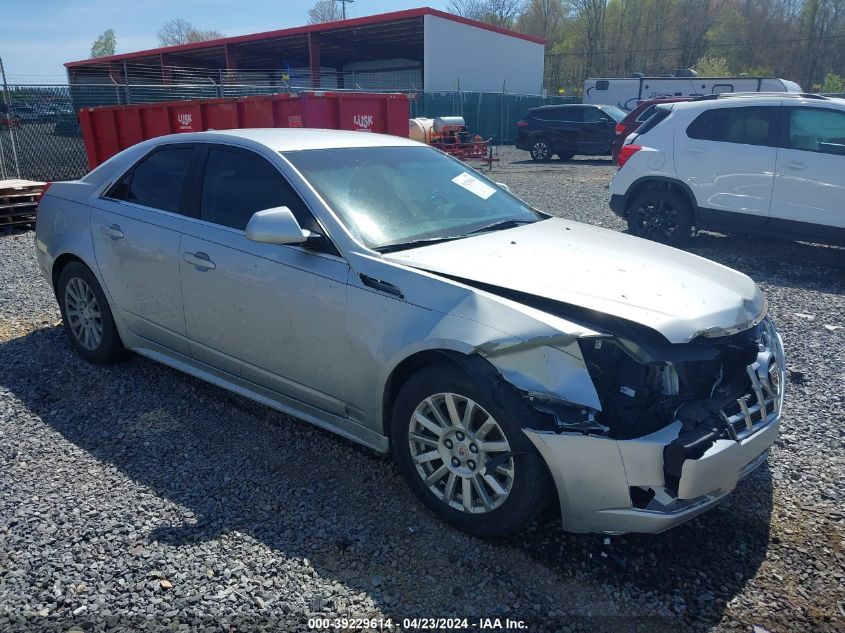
column 135, row 497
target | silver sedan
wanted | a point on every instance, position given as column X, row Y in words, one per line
column 378, row 288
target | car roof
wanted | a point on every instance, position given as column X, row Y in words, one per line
column 555, row 106
column 657, row 100
column 756, row 98
column 292, row 139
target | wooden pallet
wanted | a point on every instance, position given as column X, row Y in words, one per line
column 19, row 201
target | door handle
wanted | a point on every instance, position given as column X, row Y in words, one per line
column 112, row 231
column 200, row 260
column 794, row 164
column 695, row 150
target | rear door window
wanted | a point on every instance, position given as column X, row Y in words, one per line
column 569, row 114
column 816, row 130
column 237, row 183
column 747, row 126
column 158, row 180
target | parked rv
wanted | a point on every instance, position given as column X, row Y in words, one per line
column 626, row 93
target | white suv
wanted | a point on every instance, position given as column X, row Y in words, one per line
column 750, row 163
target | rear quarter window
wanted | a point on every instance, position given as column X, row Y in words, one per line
column 646, row 114
column 659, row 114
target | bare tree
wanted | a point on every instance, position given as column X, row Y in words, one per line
column 179, row 31
column 821, row 18
column 694, row 19
column 472, row 9
column 542, row 18
column 593, row 12
column 104, row 45
column 323, row 11
column 502, row 13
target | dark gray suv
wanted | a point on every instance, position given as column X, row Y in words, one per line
column 567, row 130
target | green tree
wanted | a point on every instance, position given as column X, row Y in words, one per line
column 707, row 66
column 104, row 45
column 833, row 83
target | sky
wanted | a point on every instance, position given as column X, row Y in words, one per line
column 39, row 36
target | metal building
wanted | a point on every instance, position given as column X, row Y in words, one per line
column 420, row 50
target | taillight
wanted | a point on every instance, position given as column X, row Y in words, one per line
column 626, row 152
column 521, row 124
column 620, row 128
column 44, row 190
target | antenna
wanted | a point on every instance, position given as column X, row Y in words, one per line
column 343, row 6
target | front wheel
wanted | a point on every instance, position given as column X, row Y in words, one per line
column 465, row 455
column 541, row 149
column 86, row 315
column 661, row 215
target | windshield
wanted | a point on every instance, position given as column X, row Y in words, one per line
column 616, row 113
column 397, row 195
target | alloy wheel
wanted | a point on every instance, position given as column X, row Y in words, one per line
column 657, row 219
column 461, row 453
column 83, row 313
column 541, row 150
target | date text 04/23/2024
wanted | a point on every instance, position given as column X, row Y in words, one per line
column 423, row 624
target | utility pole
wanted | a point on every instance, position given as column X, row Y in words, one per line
column 343, row 6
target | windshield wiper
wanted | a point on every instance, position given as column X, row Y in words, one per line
column 504, row 224
column 401, row 246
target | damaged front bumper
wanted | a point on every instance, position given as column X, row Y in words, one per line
column 596, row 477
column 657, row 481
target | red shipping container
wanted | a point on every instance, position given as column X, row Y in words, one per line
column 110, row 129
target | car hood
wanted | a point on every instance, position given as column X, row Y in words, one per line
column 678, row 294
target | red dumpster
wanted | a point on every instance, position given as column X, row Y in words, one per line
column 110, row 129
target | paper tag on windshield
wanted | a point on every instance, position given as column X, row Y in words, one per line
column 474, row 185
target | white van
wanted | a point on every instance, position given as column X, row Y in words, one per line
column 628, row 92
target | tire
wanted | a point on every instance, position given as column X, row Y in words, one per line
column 661, row 215
column 565, row 156
column 86, row 315
column 528, row 487
column 541, row 149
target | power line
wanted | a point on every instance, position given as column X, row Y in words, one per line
column 667, row 49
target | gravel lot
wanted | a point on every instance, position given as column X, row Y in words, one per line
column 135, row 497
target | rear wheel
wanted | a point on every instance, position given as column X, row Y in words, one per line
column 464, row 454
column 86, row 315
column 662, row 215
column 541, row 149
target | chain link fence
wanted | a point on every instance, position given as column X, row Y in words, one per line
column 40, row 138
column 39, row 134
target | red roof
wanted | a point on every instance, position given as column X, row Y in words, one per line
column 310, row 28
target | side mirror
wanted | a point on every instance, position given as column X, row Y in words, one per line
column 504, row 186
column 275, row 226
